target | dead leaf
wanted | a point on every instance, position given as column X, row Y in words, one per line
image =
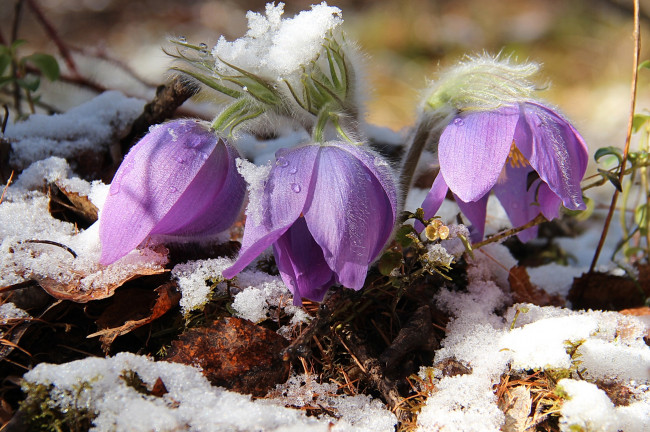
column 516, row 405
column 134, row 309
column 69, row 205
column 236, row 354
column 523, row 291
column 72, row 291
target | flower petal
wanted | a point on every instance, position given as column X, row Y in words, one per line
column 555, row 150
column 150, row 180
column 287, row 190
column 301, row 264
column 216, row 195
column 475, row 211
column 518, row 200
column 435, row 197
column 350, row 216
column 473, row 149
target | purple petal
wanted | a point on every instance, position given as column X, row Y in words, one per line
column 518, row 200
column 435, row 197
column 555, row 150
column 154, row 174
column 475, row 211
column 549, row 202
column 287, row 190
column 350, row 216
column 301, row 264
column 473, row 149
column 216, row 195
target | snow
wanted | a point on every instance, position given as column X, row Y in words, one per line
column 588, row 408
column 191, row 403
column 25, row 217
column 9, row 311
column 89, row 127
column 255, row 176
column 275, row 48
column 611, row 347
column 192, row 278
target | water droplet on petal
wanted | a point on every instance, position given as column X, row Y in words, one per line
column 180, row 160
column 115, row 187
column 203, row 45
column 204, row 52
column 282, row 162
column 295, row 187
column 182, row 39
column 173, row 189
column 459, row 121
column 293, row 170
column 204, row 156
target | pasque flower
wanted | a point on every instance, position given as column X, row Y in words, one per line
column 502, row 140
column 179, row 180
column 327, row 210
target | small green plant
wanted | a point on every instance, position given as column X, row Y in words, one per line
column 43, row 413
column 23, row 74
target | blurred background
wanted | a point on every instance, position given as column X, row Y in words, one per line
column 585, row 47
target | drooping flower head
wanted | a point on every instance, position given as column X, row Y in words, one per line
column 179, row 180
column 327, row 210
column 497, row 137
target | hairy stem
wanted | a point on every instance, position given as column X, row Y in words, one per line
column 416, row 145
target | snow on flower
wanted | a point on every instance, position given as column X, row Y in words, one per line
column 528, row 154
column 274, row 47
column 179, row 180
column 328, row 210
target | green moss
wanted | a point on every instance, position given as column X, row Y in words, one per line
column 43, row 413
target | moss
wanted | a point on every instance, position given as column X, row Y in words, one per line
column 44, row 413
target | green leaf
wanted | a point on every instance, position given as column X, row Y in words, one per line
column 631, row 251
column 402, row 235
column 582, row 215
column 638, row 121
column 644, row 65
column 47, row 64
column 5, row 61
column 388, row 262
column 613, row 179
column 29, row 84
column 211, row 83
column 15, row 44
column 609, row 151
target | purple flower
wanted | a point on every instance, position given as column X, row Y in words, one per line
column 327, row 210
column 527, row 153
column 179, row 180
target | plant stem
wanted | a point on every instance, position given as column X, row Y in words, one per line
column 628, row 138
column 418, row 141
column 538, row 220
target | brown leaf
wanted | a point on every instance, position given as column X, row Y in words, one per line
column 236, row 354
column 523, row 291
column 71, row 206
column 133, row 308
column 608, row 292
column 516, row 405
column 72, row 290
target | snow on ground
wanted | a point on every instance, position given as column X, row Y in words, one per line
column 610, row 344
column 191, row 403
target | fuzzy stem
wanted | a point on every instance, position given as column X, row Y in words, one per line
column 415, row 148
column 628, row 138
